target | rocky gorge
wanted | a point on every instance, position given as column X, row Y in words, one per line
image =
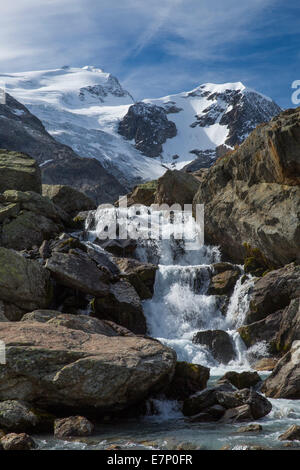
column 98, row 332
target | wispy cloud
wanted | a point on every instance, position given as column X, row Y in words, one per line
column 152, row 44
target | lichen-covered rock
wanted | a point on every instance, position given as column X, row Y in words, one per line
column 143, row 194
column 15, row 441
column 218, row 342
column 19, row 171
column 284, row 381
column 123, row 306
column 72, row 427
column 36, row 219
column 54, row 366
column 68, row 198
column 17, row 416
column 252, row 194
column 188, row 379
column 23, row 283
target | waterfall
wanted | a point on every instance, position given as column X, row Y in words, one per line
column 181, row 306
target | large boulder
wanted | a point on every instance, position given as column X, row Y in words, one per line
column 262, row 330
column 273, row 292
column 218, row 342
column 19, row 171
column 23, row 283
column 72, row 426
column 223, row 283
column 252, row 194
column 291, row 434
column 77, row 271
column 58, row 367
column 122, row 305
column 284, row 381
column 15, row 441
column 188, row 379
column 18, row 416
column 176, row 187
column 68, row 198
column 143, row 194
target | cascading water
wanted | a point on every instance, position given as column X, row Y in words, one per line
column 181, row 306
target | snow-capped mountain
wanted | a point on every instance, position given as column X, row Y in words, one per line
column 89, row 111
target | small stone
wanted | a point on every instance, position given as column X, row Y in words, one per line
column 291, row 434
column 72, row 427
column 15, row 441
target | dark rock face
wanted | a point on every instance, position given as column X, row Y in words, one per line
column 218, row 342
column 252, row 194
column 68, row 199
column 262, row 330
column 284, row 382
column 187, row 379
column 149, row 126
column 17, row 416
column 23, row 283
column 21, row 131
column 122, row 305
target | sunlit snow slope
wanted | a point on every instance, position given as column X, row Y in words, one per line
column 82, row 108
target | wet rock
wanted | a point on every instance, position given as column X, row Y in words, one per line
column 238, row 414
column 265, row 364
column 251, row 428
column 77, row 271
column 263, row 330
column 284, row 381
column 291, row 434
column 23, row 282
column 224, row 282
column 58, row 367
column 240, row 404
column 252, row 193
column 19, row 171
column 122, row 305
column 202, row 401
column 241, row 380
column 218, row 342
column 274, row 292
column 69, row 199
column 188, row 379
column 140, row 275
column 15, row 441
column 176, row 187
column 72, row 427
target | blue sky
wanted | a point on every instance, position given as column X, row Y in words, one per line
column 158, row 47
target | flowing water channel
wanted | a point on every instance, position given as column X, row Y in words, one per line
column 179, row 308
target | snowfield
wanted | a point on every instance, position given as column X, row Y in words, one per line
column 82, row 108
